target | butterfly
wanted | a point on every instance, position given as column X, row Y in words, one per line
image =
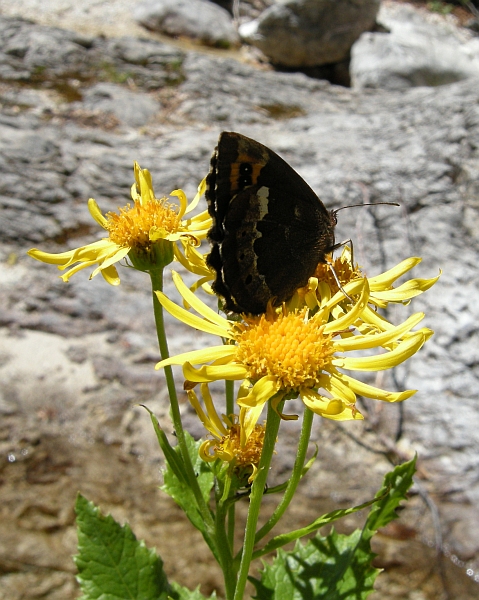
column 269, row 229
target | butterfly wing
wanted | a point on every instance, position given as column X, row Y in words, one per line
column 270, row 229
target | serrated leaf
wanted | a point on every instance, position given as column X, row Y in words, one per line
column 395, row 487
column 325, row 568
column 172, row 458
column 181, row 493
column 183, row 593
column 285, row 538
column 336, row 567
column 112, row 564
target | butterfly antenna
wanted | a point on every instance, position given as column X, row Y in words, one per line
column 365, row 204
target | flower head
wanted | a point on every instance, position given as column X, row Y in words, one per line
column 146, row 232
column 283, row 353
column 324, row 283
column 230, row 442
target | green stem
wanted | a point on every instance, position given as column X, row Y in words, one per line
column 295, row 476
column 224, row 547
column 230, row 397
column 157, row 285
column 257, row 491
column 230, row 409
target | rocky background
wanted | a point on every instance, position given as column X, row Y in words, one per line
column 85, row 90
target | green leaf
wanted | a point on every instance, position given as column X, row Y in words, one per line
column 178, row 489
column 285, row 538
column 326, row 568
column 395, row 487
column 182, row 593
column 112, row 564
column 173, row 459
column 336, row 567
column 176, row 477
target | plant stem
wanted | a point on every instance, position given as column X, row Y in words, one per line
column 295, row 476
column 230, row 397
column 257, row 491
column 223, row 542
column 230, row 408
column 157, row 285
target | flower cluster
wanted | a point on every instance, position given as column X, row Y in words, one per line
column 144, row 232
column 310, row 347
column 290, row 351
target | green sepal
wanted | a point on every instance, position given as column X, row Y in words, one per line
column 112, row 564
column 155, row 257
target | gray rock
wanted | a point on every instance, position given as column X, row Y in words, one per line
column 131, row 108
column 416, row 52
column 56, row 56
column 308, row 33
column 198, row 19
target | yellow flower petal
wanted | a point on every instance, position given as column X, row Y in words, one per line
column 351, row 316
column 210, row 420
column 408, row 290
column 201, row 190
column 210, row 373
column 110, row 275
column 261, row 392
column 386, row 279
column 108, row 262
column 248, row 418
column 96, row 213
column 328, row 408
column 198, row 356
column 320, row 404
column 339, row 388
column 192, row 260
column 363, row 342
column 384, row 361
column 83, row 265
column 192, row 320
column 180, row 194
column 204, row 451
column 200, row 307
column 369, row 391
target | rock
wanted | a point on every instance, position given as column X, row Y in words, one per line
column 131, row 108
column 57, row 56
column 308, row 33
column 198, row 19
column 416, row 52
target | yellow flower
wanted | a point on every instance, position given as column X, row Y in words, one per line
column 323, row 284
column 283, row 354
column 231, row 444
column 145, row 232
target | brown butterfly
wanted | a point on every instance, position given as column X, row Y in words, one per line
column 270, row 230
